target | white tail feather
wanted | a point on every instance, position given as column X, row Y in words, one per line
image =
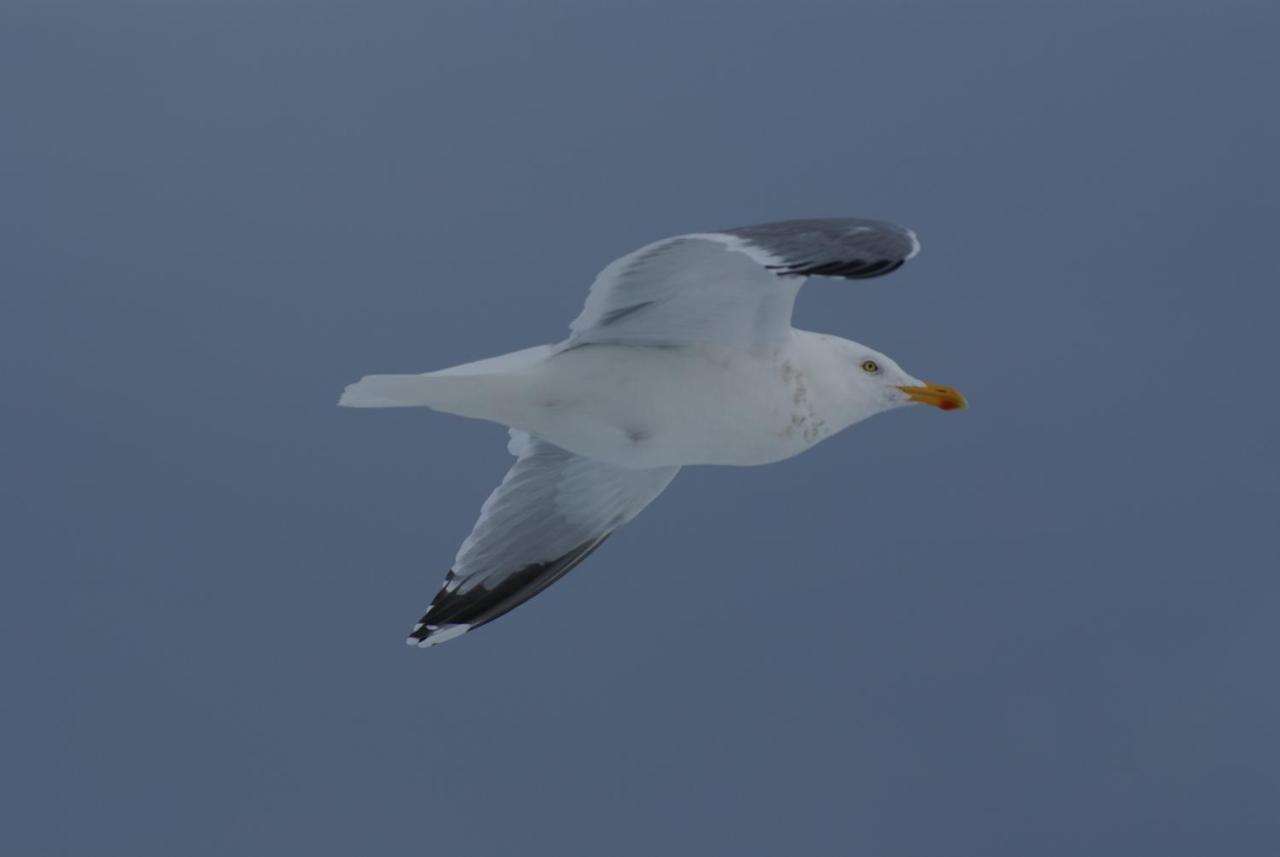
column 478, row 389
column 391, row 391
column 484, row 397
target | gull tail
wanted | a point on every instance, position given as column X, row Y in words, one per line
column 476, row 389
column 392, row 391
column 486, row 397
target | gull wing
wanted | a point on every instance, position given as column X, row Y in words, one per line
column 734, row 288
column 550, row 512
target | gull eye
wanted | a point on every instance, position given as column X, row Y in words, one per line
column 871, row 367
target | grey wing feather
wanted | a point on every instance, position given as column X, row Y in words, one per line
column 551, row 511
column 691, row 288
column 736, row 287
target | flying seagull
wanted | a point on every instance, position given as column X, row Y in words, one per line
column 683, row 354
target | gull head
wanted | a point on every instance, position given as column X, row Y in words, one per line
column 879, row 382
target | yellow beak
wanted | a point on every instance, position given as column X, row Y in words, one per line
column 946, row 398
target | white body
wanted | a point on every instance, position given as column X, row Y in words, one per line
column 645, row 406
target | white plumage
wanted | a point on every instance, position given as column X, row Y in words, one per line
column 683, row 354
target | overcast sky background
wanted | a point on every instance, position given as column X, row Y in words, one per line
column 1047, row 625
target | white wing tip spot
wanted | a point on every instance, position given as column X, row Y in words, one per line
column 440, row 635
column 915, row 245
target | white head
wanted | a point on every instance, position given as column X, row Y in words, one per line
column 874, row 382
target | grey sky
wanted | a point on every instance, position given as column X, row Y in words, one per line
column 1044, row 626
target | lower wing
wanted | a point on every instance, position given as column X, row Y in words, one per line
column 551, row 511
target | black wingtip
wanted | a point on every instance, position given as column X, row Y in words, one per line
column 846, row 247
column 455, row 611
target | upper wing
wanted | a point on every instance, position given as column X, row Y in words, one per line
column 734, row 287
column 551, row 511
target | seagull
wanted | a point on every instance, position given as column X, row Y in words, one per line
column 683, row 354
